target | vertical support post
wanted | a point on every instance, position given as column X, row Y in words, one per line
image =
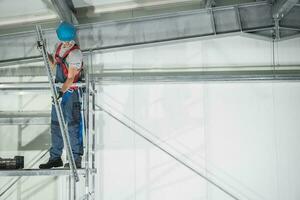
column 69, row 187
column 62, row 124
column 277, row 29
column 87, row 130
column 93, row 137
column 238, row 18
column 20, row 129
column 74, row 189
column 212, row 19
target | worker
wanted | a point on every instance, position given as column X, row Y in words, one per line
column 68, row 62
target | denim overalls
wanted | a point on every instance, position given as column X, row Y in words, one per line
column 71, row 108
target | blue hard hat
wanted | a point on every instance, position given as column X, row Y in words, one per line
column 66, row 31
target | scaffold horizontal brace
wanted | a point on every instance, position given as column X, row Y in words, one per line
column 40, row 172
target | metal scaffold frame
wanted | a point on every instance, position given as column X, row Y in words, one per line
column 89, row 113
column 89, row 171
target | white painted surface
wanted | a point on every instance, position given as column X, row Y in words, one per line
column 244, row 133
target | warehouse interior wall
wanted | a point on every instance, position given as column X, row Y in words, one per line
column 242, row 135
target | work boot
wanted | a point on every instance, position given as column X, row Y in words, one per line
column 52, row 163
column 77, row 163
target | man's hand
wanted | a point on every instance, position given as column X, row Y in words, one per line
column 59, row 95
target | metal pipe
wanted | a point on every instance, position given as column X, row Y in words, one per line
column 17, row 61
column 93, row 138
column 277, row 29
column 243, row 73
column 238, row 18
column 212, row 19
column 32, row 85
column 289, row 28
column 197, row 76
column 39, row 172
column 87, row 130
column 74, row 189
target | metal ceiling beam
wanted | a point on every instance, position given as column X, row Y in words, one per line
column 282, row 7
column 150, row 30
column 65, row 10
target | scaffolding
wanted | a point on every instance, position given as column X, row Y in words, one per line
column 90, row 108
column 36, row 118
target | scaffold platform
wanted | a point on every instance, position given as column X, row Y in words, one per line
column 42, row 172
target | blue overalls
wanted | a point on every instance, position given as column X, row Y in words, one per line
column 71, row 107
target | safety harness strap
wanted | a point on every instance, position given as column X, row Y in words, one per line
column 61, row 60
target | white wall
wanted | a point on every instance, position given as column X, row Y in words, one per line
column 228, row 51
column 245, row 134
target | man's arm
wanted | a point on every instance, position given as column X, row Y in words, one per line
column 75, row 62
column 72, row 72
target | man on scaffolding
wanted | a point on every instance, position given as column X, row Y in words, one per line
column 68, row 61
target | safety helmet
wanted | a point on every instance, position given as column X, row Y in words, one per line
column 66, row 32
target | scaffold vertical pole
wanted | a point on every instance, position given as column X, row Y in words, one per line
column 63, row 126
column 87, row 130
column 93, row 134
column 93, row 129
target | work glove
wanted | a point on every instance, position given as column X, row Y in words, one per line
column 50, row 57
column 59, row 95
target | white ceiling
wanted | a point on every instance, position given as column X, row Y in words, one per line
column 117, row 5
column 84, row 3
column 16, row 11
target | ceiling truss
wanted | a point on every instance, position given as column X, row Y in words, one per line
column 253, row 19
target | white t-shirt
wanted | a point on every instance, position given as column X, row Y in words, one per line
column 74, row 58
